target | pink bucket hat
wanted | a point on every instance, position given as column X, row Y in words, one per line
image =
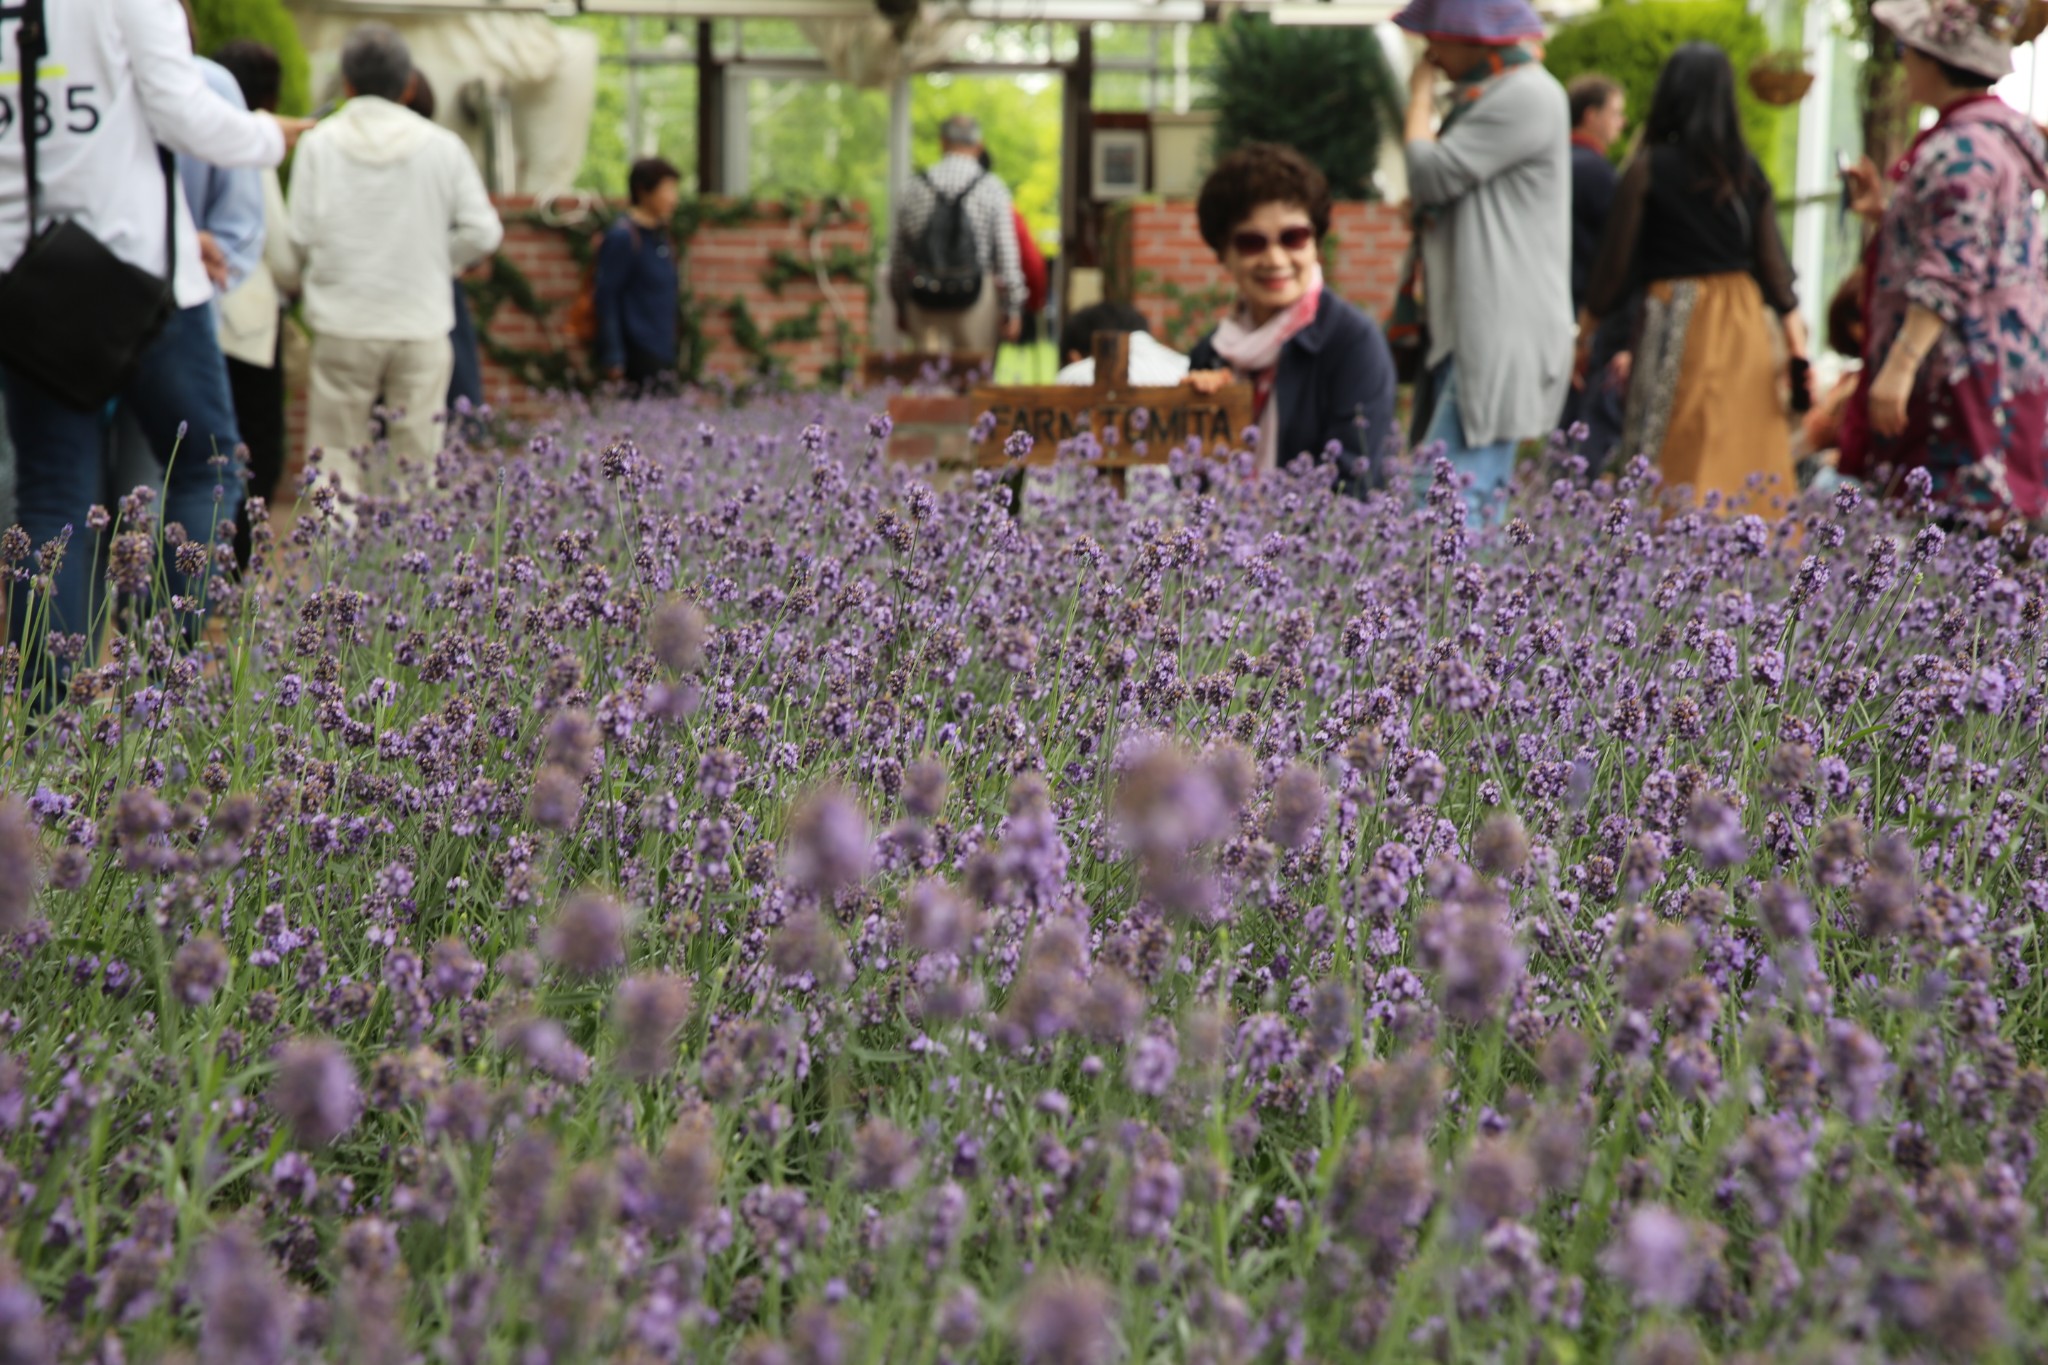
column 1974, row 36
column 1497, row 23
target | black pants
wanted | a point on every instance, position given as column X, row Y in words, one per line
column 258, row 395
column 648, row 375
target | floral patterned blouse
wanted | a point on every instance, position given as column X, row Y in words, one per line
column 1961, row 238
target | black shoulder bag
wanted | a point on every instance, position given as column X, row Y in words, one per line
column 78, row 316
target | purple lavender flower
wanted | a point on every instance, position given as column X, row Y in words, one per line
column 1065, row 1318
column 315, row 1091
column 199, row 969
column 1659, row 1258
column 884, row 1157
column 829, row 844
column 677, row 636
column 588, row 937
column 650, row 1011
column 1298, row 806
column 245, row 1315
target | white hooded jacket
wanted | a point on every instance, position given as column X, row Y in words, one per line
column 385, row 209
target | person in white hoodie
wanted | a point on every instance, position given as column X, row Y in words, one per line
column 385, row 208
column 119, row 80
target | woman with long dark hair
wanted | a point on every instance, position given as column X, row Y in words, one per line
column 1695, row 228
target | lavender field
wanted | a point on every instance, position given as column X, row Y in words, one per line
column 690, row 890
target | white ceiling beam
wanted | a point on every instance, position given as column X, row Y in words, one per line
column 1339, row 14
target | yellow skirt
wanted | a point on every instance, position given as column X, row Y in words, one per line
column 1703, row 393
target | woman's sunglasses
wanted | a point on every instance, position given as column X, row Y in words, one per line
column 1255, row 243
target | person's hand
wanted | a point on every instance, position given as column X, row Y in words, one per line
column 214, row 259
column 1796, row 343
column 1013, row 328
column 1208, row 382
column 1890, row 392
column 293, row 129
column 1618, row 368
column 1421, row 81
column 1867, row 191
column 479, row 272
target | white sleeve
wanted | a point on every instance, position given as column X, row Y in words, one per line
column 475, row 232
column 183, row 113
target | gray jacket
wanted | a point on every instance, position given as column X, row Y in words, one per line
column 1497, row 254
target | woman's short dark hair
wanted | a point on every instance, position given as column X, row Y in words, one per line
column 647, row 176
column 255, row 68
column 1259, row 173
column 1845, row 316
column 1077, row 336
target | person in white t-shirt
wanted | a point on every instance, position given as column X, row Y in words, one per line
column 385, row 209
column 119, row 80
column 1154, row 364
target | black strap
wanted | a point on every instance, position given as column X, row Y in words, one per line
column 32, row 43
column 955, row 198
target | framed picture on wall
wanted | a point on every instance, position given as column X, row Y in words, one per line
column 1121, row 157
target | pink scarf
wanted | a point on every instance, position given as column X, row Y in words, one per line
column 1253, row 351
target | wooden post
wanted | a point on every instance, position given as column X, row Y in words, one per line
column 710, row 115
column 1112, row 379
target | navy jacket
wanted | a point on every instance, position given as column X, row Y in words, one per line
column 637, row 285
column 1594, row 182
column 1336, row 383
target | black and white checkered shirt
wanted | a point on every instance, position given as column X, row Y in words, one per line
column 989, row 218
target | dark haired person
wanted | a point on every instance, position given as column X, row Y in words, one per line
column 1491, row 185
column 1955, row 352
column 1695, row 229
column 386, row 208
column 1599, row 113
column 1321, row 376
column 1153, row 364
column 637, row 282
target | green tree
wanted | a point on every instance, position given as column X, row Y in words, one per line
column 1328, row 93
column 267, row 21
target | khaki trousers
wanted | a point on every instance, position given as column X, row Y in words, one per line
column 349, row 376
column 972, row 331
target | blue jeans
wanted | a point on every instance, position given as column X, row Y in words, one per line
column 1488, row 466
column 59, row 454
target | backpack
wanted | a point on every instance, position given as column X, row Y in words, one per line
column 945, row 268
column 579, row 320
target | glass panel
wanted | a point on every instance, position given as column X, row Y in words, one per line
column 661, row 87
column 817, row 137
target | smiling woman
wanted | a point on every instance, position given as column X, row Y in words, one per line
column 1322, row 380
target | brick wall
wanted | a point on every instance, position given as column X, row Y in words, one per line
column 723, row 263
column 1155, row 257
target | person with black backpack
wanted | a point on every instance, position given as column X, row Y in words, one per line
column 103, row 292
column 954, row 269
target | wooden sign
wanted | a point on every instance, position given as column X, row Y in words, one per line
column 1148, row 422
column 958, row 373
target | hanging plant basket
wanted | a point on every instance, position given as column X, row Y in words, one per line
column 1779, row 85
